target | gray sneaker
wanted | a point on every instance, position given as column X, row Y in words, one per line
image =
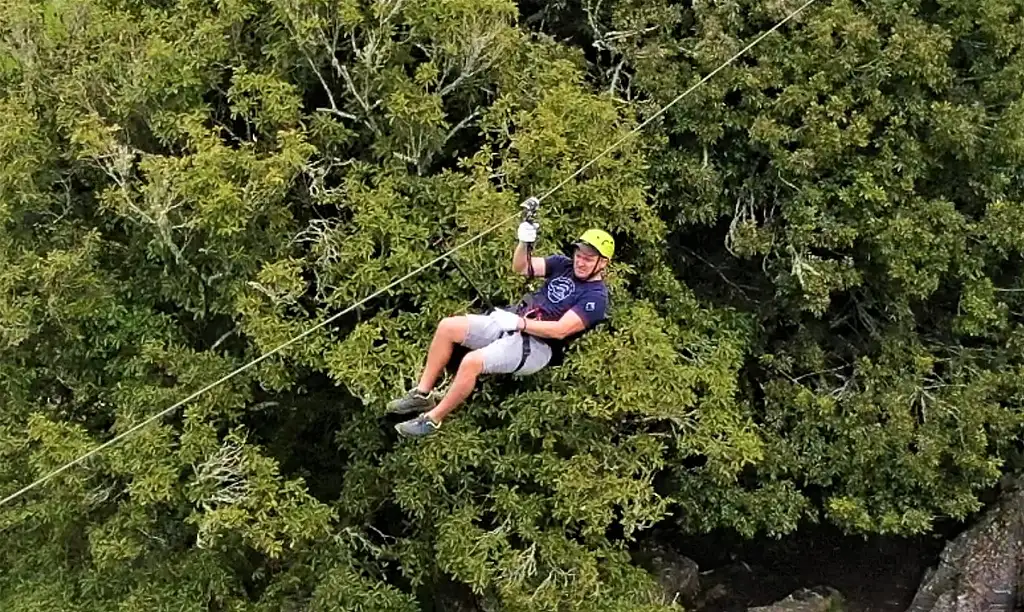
column 412, row 402
column 418, row 427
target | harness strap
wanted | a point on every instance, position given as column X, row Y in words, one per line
column 526, row 353
column 530, row 312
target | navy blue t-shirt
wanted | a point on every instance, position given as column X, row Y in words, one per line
column 562, row 291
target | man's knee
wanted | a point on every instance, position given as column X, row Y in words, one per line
column 473, row 362
column 453, row 328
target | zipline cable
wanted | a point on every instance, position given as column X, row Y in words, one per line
column 249, row 365
column 677, row 99
column 393, row 284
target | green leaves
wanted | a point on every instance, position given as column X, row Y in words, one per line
column 344, row 588
column 849, row 183
column 816, row 309
column 920, row 243
column 238, row 493
column 267, row 102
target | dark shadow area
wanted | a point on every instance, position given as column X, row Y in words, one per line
column 874, row 573
column 699, row 259
column 298, row 430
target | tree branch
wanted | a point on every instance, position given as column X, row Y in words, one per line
column 330, row 96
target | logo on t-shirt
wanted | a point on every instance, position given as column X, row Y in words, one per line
column 560, row 288
column 590, row 307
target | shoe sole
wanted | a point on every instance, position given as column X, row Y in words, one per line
column 414, row 410
column 409, row 435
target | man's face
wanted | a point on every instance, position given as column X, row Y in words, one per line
column 584, row 259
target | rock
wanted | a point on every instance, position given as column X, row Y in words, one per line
column 726, row 588
column 982, row 569
column 818, row 599
column 713, row 594
column 678, row 576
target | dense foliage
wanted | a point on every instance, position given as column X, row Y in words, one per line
column 818, row 310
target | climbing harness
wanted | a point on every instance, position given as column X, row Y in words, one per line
column 529, row 207
column 483, row 296
column 121, row 436
column 527, row 311
column 526, row 352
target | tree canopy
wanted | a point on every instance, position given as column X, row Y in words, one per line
column 818, row 305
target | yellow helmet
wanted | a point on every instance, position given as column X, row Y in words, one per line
column 600, row 240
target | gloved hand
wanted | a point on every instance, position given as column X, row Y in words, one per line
column 509, row 321
column 527, row 232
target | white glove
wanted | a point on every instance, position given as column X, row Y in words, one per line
column 527, row 232
column 508, row 321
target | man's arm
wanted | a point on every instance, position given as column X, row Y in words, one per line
column 519, row 265
column 569, row 324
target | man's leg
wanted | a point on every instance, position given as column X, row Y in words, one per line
column 472, row 331
column 503, row 356
column 450, row 331
column 491, row 352
column 465, row 380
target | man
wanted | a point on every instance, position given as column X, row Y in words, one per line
column 574, row 299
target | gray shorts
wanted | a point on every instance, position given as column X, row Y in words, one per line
column 502, row 350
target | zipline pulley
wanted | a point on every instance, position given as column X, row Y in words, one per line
column 529, row 207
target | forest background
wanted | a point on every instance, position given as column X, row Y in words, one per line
column 817, row 298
